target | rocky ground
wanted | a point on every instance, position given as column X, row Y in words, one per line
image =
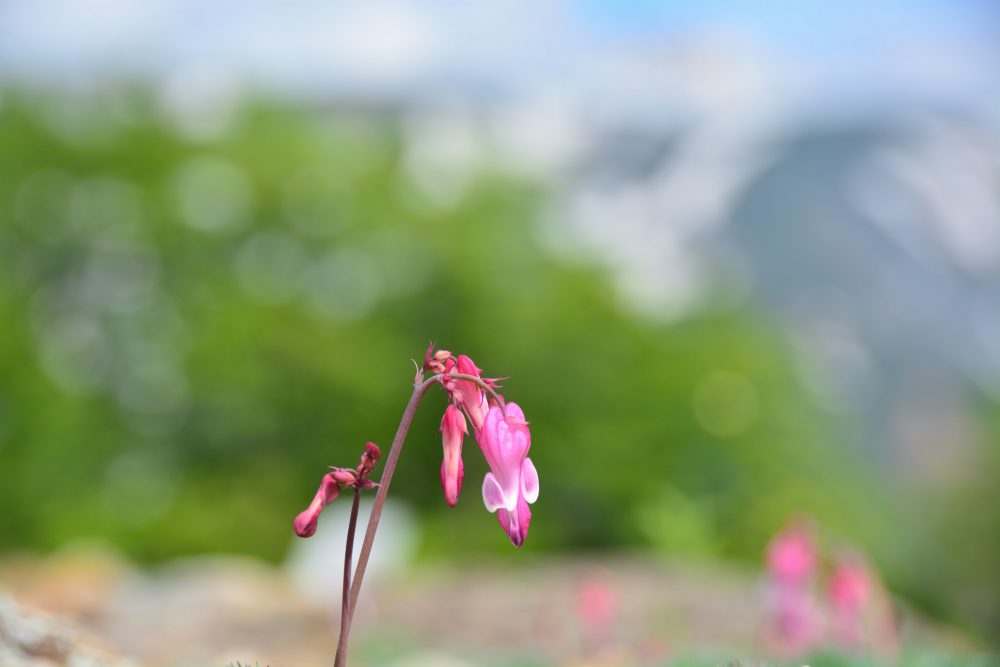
column 217, row 610
column 33, row 639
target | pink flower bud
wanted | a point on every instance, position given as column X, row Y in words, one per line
column 428, row 357
column 453, row 429
column 471, row 397
column 437, row 361
column 345, row 476
column 305, row 522
column 368, row 459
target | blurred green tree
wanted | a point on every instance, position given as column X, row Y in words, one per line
column 195, row 327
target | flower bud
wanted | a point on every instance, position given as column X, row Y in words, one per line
column 345, row 476
column 368, row 459
column 306, row 521
column 453, row 429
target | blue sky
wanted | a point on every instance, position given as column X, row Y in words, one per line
column 791, row 20
column 927, row 47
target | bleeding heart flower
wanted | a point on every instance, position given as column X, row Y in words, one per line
column 512, row 483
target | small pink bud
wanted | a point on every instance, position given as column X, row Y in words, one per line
column 437, row 361
column 306, row 521
column 368, row 459
column 453, row 429
column 471, row 397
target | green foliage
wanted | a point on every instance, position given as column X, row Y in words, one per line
column 195, row 328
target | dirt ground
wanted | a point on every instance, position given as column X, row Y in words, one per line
column 620, row 610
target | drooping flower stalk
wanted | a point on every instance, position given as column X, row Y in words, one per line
column 513, row 480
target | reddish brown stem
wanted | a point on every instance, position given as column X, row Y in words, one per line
column 383, row 488
column 420, row 387
column 345, row 613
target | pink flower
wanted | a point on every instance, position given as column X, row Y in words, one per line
column 512, row 483
column 794, row 620
column 453, row 429
column 791, row 555
column 849, row 590
column 305, row 522
column 849, row 586
column 597, row 604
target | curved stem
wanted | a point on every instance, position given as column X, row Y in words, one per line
column 478, row 382
column 341, row 658
column 383, row 488
column 420, row 387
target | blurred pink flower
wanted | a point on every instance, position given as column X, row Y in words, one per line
column 512, row 483
column 849, row 590
column 453, row 429
column 849, row 586
column 791, row 555
column 795, row 625
column 597, row 604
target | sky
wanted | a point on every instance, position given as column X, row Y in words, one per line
column 922, row 48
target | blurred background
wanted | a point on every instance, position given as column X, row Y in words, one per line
column 740, row 262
